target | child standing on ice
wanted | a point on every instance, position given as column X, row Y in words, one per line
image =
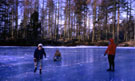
column 111, row 54
column 38, row 57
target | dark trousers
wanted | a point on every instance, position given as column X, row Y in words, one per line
column 111, row 61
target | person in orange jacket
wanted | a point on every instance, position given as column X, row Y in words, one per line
column 111, row 54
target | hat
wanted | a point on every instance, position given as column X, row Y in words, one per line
column 40, row 45
column 111, row 40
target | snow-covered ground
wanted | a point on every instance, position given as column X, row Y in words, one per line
column 81, row 63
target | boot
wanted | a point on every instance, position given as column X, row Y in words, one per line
column 113, row 69
column 109, row 69
column 40, row 71
column 35, row 70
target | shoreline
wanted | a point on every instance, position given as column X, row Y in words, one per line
column 78, row 46
column 64, row 43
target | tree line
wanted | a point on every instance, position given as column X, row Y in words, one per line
column 67, row 20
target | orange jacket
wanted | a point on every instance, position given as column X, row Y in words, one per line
column 111, row 48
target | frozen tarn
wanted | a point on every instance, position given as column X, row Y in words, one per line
column 79, row 63
column 86, row 47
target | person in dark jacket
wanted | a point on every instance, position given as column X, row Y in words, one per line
column 57, row 56
column 38, row 57
column 111, row 54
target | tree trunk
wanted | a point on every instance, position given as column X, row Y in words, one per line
column 69, row 20
column 94, row 21
column 118, row 25
column 12, row 30
column 16, row 31
column 114, row 20
column 106, row 20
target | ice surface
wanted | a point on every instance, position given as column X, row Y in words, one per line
column 81, row 63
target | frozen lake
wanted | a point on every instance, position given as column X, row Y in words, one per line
column 80, row 63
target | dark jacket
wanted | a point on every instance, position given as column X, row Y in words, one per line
column 111, row 48
column 38, row 54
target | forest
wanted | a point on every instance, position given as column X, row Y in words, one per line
column 67, row 22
